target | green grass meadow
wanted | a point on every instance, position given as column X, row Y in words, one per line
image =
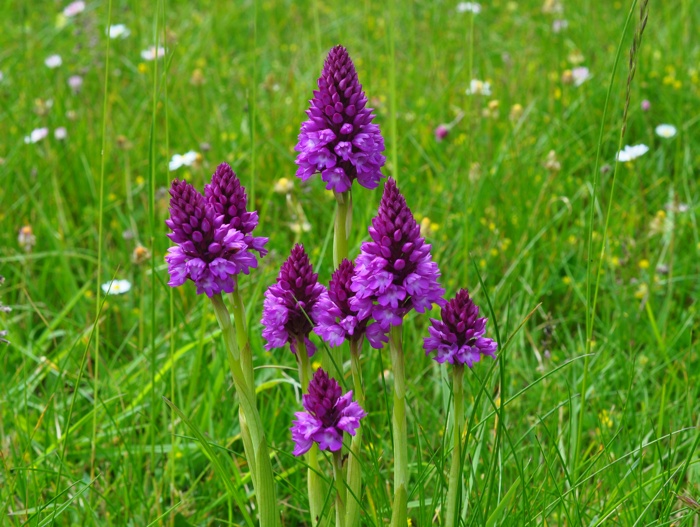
column 587, row 268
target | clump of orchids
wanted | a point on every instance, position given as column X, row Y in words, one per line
column 366, row 299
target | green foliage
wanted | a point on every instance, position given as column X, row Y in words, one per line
column 92, row 442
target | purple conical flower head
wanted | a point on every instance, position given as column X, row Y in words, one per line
column 328, row 414
column 228, row 198
column 338, row 321
column 458, row 338
column 339, row 139
column 395, row 272
column 208, row 251
column 292, row 304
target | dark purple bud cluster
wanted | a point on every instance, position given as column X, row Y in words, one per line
column 292, row 304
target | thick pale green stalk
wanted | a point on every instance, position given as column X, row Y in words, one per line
column 352, row 515
column 314, row 481
column 333, row 361
column 454, row 489
column 255, row 443
column 399, row 513
column 339, row 488
column 343, row 225
column 247, row 365
column 242, row 334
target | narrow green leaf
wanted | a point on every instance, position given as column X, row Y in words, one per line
column 219, row 469
column 500, row 510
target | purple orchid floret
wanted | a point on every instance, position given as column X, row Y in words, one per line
column 209, row 252
column 292, row 304
column 338, row 322
column 339, row 139
column 328, row 414
column 228, row 197
column 394, row 272
column 458, row 338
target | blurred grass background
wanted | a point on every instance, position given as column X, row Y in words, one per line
column 87, row 446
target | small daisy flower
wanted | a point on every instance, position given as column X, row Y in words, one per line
column 153, row 53
column 559, row 25
column 1, row 76
column 60, row 133
column 667, row 131
column 74, row 8
column 53, row 61
column 469, row 7
column 36, row 135
column 116, row 287
column 75, row 83
column 580, row 75
column 631, row 152
column 479, row 87
column 118, row 31
column 185, row 160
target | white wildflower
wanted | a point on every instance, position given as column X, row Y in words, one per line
column 560, row 25
column 580, row 75
column 631, row 152
column 118, row 31
column 479, row 87
column 74, row 8
column 469, row 7
column 75, row 83
column 667, row 131
column 37, row 135
column 187, row 159
column 153, row 53
column 116, row 287
column 53, row 61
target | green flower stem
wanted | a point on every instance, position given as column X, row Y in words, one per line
column 399, row 513
column 355, row 351
column 352, row 515
column 255, row 444
column 343, row 225
column 339, row 488
column 242, row 334
column 333, row 361
column 455, row 485
column 247, row 365
column 314, row 481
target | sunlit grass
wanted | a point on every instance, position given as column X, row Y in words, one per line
column 92, row 443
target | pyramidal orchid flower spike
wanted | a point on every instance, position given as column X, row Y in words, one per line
column 339, row 140
column 292, row 304
column 395, row 272
column 209, row 252
column 458, row 337
column 338, row 321
column 328, row 414
column 214, row 245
